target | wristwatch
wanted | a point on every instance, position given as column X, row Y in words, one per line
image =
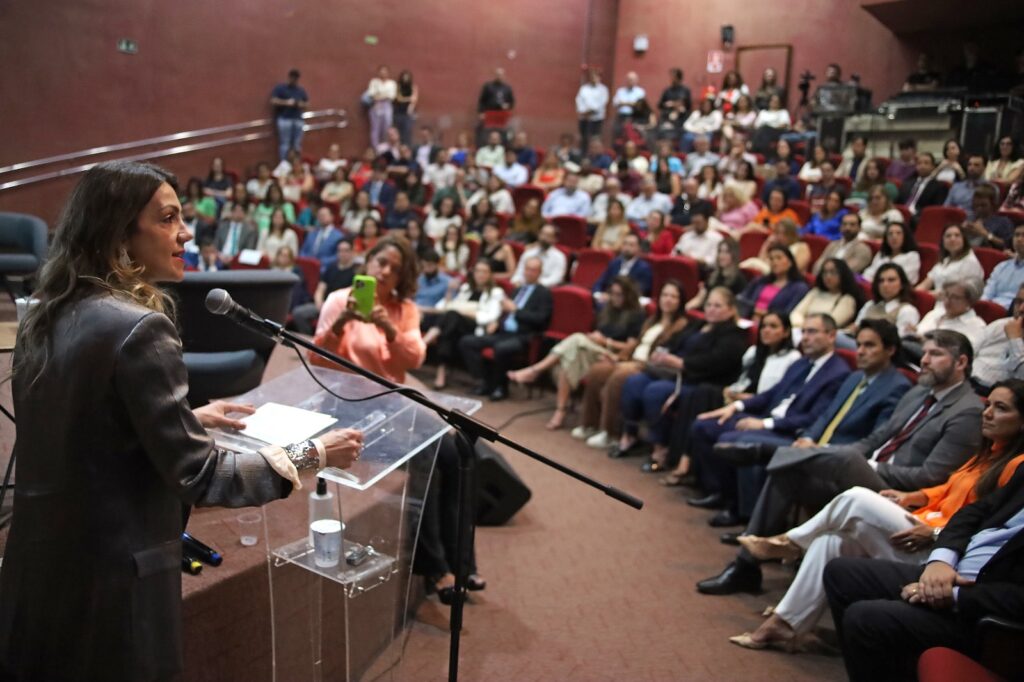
column 935, row 534
column 305, row 455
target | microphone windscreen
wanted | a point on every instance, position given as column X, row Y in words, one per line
column 218, row 301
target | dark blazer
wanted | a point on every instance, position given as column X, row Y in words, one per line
column 640, row 273
column 999, row 587
column 327, row 253
column 943, row 441
column 870, row 411
column 810, row 395
column 535, row 315
column 248, row 238
column 790, row 187
column 386, row 196
column 934, row 194
column 108, row 451
column 784, row 301
column 715, row 356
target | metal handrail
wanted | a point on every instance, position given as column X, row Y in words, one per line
column 341, row 122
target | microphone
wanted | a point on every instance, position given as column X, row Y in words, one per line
column 219, row 302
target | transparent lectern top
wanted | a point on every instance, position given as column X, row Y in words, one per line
column 394, row 427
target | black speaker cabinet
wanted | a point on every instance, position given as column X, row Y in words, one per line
column 500, row 491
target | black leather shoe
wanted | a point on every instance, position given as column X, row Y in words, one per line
column 729, row 538
column 725, row 519
column 712, row 501
column 738, row 576
column 499, row 394
column 617, row 452
column 744, row 454
column 481, row 390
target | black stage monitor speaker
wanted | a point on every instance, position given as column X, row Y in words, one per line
column 500, row 493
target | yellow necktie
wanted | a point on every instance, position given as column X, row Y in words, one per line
column 834, row 424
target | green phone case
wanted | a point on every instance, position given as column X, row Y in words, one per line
column 364, row 291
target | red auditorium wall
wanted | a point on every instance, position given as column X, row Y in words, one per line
column 202, row 64
column 820, row 31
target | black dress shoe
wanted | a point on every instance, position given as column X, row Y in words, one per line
column 725, row 519
column 744, row 454
column 739, row 576
column 481, row 390
column 499, row 394
column 712, row 501
column 729, row 538
column 617, row 452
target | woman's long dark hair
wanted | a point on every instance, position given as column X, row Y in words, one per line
column 847, row 280
column 943, row 253
column 793, row 274
column 679, row 315
column 409, row 271
column 763, row 351
column 989, row 480
column 909, row 242
column 630, row 303
column 906, row 294
column 88, row 252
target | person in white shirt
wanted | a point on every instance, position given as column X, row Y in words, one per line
column 501, row 198
column 999, row 354
column 330, row 163
column 492, row 154
column 382, row 92
column 512, row 173
column 699, row 242
column 957, row 261
column 441, row 173
column 954, row 311
column 649, row 199
column 705, row 120
column 257, row 187
column 599, row 207
column 553, row 261
column 774, row 116
column 898, row 246
column 591, row 102
column 625, row 100
column 700, row 156
column 892, row 300
column 568, row 199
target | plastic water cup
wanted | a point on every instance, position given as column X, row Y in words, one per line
column 249, row 528
column 326, row 542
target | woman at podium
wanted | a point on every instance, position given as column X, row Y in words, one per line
column 108, row 449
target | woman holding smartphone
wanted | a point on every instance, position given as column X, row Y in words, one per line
column 384, row 338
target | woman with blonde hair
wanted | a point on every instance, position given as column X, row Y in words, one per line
column 735, row 209
column 784, row 233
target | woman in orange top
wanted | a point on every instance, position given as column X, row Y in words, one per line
column 550, row 174
column 862, row 522
column 776, row 210
column 389, row 343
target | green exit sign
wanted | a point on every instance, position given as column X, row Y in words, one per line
column 127, row 46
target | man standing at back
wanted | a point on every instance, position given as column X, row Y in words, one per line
column 289, row 101
column 591, row 102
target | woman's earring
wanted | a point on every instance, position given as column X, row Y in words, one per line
column 124, row 259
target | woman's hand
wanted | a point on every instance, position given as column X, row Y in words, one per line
column 914, row 539
column 346, row 316
column 909, row 500
column 343, row 447
column 379, row 317
column 215, row 415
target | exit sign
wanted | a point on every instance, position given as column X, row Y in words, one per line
column 127, row 46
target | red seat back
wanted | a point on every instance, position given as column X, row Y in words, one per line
column 849, row 356
column 573, row 312
column 572, row 231
column 590, row 265
column 310, row 272
column 990, row 311
column 802, row 210
column 989, row 258
column 924, row 301
column 523, row 193
column 750, row 244
column 681, row 268
column 933, row 220
column 929, row 257
column 817, row 244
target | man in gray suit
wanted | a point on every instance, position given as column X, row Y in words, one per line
column 934, row 429
column 236, row 234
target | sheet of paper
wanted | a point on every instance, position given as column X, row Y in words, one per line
column 283, row 425
column 250, row 257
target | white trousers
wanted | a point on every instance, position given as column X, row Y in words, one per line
column 857, row 522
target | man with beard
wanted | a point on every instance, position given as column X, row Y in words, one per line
column 935, row 427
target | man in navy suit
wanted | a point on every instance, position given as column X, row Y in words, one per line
column 321, row 242
column 872, row 393
column 774, row 416
column 381, row 191
column 628, row 263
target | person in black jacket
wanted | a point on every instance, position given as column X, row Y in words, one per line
column 527, row 313
column 923, row 189
column 887, row 613
column 709, row 356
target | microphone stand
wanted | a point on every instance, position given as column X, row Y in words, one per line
column 469, row 431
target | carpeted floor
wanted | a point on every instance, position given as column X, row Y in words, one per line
column 582, row 587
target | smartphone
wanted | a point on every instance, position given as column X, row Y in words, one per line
column 364, row 291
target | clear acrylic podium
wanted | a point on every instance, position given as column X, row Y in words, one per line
column 347, row 622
